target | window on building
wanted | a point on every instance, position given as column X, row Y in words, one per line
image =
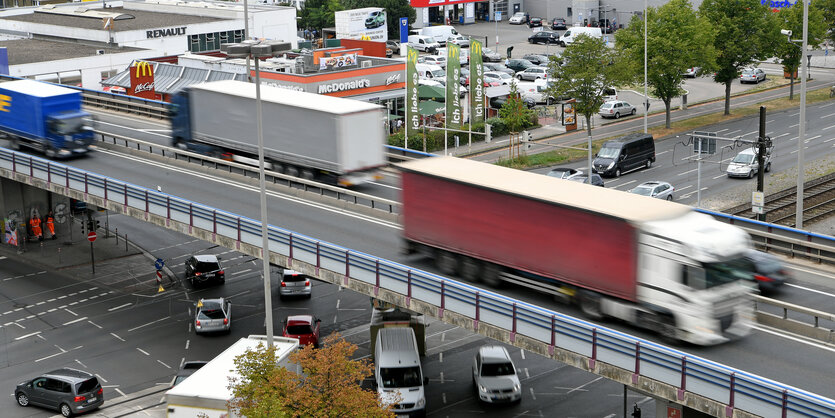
column 239, row 36
column 224, row 38
column 194, row 43
column 568, row 12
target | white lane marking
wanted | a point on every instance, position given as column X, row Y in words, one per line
column 532, row 394
column 685, row 187
column 100, row 378
column 582, row 386
column 119, row 307
column 79, row 362
column 811, row 290
column 187, row 343
column 73, row 313
column 142, row 351
column 384, row 185
column 57, row 354
column 796, row 339
column 15, row 323
column 812, row 138
column 662, row 152
column 149, row 323
column 686, row 172
column 120, row 392
column 101, row 122
column 27, row 336
column 522, row 353
column 624, row 184
column 160, row 362
column 226, row 182
column 441, row 357
column 95, row 324
column 118, row 337
column 241, row 272
column 828, row 116
column 74, row 321
column 719, row 176
column 828, row 127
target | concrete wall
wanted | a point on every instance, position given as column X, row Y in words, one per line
column 21, row 201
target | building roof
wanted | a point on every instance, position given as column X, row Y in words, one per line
column 170, row 78
column 142, row 20
column 27, row 51
column 37, row 88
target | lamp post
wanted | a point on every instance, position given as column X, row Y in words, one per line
column 257, row 50
column 801, row 140
column 646, row 97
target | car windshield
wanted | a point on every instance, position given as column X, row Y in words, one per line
column 497, row 369
column 519, row 14
column 744, row 158
column 438, row 73
column 206, row 267
column 642, row 190
column 299, row 329
column 211, row 313
column 400, row 377
column 608, row 152
column 88, row 385
column 559, row 173
column 719, row 273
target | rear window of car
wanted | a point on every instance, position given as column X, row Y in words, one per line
column 299, row 329
column 206, row 267
column 88, row 385
column 294, row 277
column 211, row 313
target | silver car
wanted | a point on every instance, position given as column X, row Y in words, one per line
column 69, row 391
column 752, row 75
column 745, row 163
column 294, row 283
column 494, row 375
column 563, row 172
column 213, row 315
column 459, row 40
column 533, row 73
column 656, row 189
column 499, row 77
column 616, row 109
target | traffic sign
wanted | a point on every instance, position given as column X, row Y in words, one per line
column 159, row 264
column 91, row 236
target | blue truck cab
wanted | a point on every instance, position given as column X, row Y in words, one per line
column 45, row 118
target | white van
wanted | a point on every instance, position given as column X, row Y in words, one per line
column 568, row 37
column 397, row 370
column 440, row 33
column 423, row 43
column 463, row 59
column 431, row 72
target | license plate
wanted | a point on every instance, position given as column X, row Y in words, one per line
column 91, row 400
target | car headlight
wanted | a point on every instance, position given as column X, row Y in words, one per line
column 612, row 164
column 516, row 387
column 482, row 388
column 421, row 402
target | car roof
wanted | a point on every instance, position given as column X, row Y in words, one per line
column 300, row 319
column 652, row 183
column 67, row 373
column 206, row 258
column 215, row 303
column 748, row 151
column 493, row 354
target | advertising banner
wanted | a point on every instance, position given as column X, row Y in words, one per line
column 142, row 80
column 340, row 61
column 11, row 232
column 476, row 82
column 412, row 99
column 428, row 3
column 404, row 30
column 453, row 75
column 367, row 24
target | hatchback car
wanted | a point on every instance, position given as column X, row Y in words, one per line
column 187, row 369
column 204, row 268
column 488, row 55
column 519, row 64
column 752, row 75
column 66, row 390
column 499, row 77
column 616, row 109
column 769, row 272
column 745, row 164
column 518, row 18
column 656, row 189
column 692, row 72
column 434, row 60
column 494, row 375
column 544, row 38
column 213, row 315
column 462, row 41
column 563, row 172
column 537, row 59
column 558, row 24
column 533, row 73
column 304, row 328
column 535, row 22
column 294, row 283
column 495, row 66
column 583, row 178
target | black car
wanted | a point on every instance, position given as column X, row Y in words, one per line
column 499, row 101
column 203, row 268
column 495, row 66
column 519, row 64
column 544, row 38
column 535, row 22
column 187, row 369
column 66, row 390
column 769, row 272
column 537, row 59
column 558, row 24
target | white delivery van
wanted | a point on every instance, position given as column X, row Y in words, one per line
column 440, row 33
column 463, row 59
column 423, row 43
column 568, row 37
column 431, row 72
column 397, row 371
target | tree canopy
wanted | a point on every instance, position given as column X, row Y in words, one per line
column 677, row 39
column 789, row 53
column 318, row 14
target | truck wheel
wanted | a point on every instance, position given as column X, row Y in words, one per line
column 617, row 172
column 291, row 171
column 649, row 163
column 307, row 174
column 446, row 262
column 470, row 268
column 667, row 330
column 590, row 305
column 14, row 144
column 50, row 152
column 491, row 275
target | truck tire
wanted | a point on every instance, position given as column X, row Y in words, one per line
column 590, row 305
column 14, row 143
column 470, row 268
column 446, row 262
column 491, row 275
column 667, row 329
column 50, row 152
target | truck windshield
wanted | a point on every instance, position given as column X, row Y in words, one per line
column 68, row 126
column 607, row 152
column 717, row 274
column 400, row 377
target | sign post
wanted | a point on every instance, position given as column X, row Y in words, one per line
column 92, row 237
column 159, row 264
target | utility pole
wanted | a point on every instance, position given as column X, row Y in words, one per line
column 761, row 150
column 801, row 138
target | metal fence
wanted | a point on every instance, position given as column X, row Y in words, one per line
column 700, row 383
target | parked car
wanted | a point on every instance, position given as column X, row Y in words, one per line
column 533, row 73
column 501, row 78
column 204, row 268
column 69, row 391
column 745, row 163
column 304, row 328
column 537, row 59
column 495, row 66
column 187, row 369
column 392, row 47
column 535, row 22
column 693, row 72
column 519, row 64
column 423, row 43
column 544, row 37
column 499, row 101
column 213, row 315
column 656, row 189
column 518, row 18
column 596, row 180
column 494, row 375
column 752, row 75
column 433, row 60
column 563, row 172
column 294, row 283
column 616, row 109
column 488, row 55
column 558, row 24
column 769, row 271
column 462, row 41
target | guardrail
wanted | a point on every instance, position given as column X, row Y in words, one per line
column 671, row 374
column 795, row 319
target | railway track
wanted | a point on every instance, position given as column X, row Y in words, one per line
column 781, row 207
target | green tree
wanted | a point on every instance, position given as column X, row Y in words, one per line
column 789, row 53
column 677, row 39
column 745, row 31
column 318, row 14
column 827, row 8
column 514, row 113
column 328, row 387
column 395, row 9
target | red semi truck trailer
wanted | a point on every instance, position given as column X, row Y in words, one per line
column 651, row 262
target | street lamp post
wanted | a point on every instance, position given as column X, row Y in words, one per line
column 646, row 97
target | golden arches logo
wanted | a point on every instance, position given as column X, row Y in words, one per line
column 475, row 48
column 454, row 51
column 5, row 103
column 143, row 69
column 413, row 55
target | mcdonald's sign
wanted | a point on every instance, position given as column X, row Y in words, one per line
column 142, row 80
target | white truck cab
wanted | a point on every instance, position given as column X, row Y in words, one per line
column 423, row 43
column 397, row 371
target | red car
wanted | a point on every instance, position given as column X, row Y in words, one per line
column 304, row 328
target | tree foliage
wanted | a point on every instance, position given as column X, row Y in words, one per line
column 827, row 8
column 395, row 9
column 677, row 39
column 789, row 53
column 329, row 385
column 318, row 14
column 745, row 31
column 514, row 113
column 587, row 67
